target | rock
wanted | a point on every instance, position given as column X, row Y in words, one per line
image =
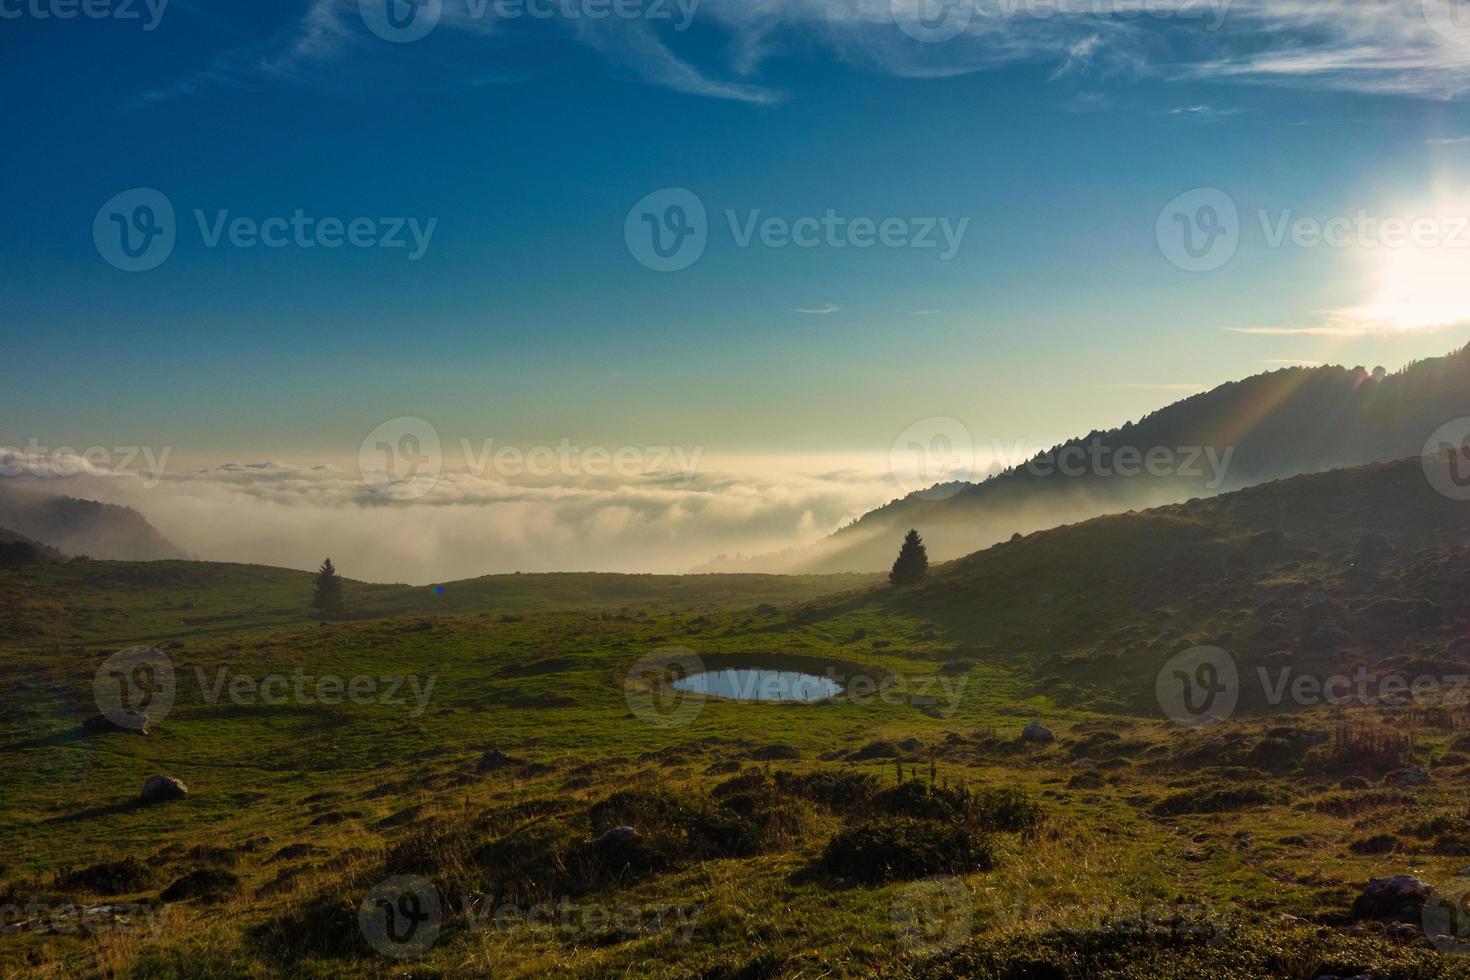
column 1400, row 898
column 159, row 789
column 1407, row 778
column 1038, row 733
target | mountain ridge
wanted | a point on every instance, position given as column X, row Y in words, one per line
column 1271, row 425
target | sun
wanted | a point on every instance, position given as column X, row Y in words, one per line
column 1419, row 280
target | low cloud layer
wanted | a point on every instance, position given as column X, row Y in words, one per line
column 468, row 525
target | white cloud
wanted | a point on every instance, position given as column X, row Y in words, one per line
column 1396, row 47
column 293, row 516
column 826, row 310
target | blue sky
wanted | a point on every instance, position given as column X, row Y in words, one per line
column 1059, row 139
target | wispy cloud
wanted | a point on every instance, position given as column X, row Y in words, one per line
column 826, row 310
column 1394, row 47
column 925, row 312
column 1290, row 362
column 1202, row 112
column 1457, row 141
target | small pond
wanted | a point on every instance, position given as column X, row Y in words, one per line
column 759, row 684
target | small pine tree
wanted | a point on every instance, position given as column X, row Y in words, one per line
column 328, row 597
column 913, row 561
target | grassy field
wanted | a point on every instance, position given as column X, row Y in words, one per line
column 502, row 727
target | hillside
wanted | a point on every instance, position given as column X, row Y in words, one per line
column 1287, row 422
column 498, row 753
column 84, row 527
column 1321, row 572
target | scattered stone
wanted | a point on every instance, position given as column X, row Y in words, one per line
column 159, row 789
column 1400, row 898
column 1037, row 733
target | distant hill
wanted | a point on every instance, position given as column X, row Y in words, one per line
column 17, row 549
column 1317, row 573
column 1288, row 422
column 83, row 527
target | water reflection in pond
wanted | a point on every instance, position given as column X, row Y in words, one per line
column 760, row 684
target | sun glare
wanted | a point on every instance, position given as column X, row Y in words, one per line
column 1422, row 283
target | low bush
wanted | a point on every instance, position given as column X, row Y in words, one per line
column 890, row 849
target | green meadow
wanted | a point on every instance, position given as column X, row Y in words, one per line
column 515, row 750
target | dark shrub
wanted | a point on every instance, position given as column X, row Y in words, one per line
column 1091, row 779
column 209, row 884
column 1377, row 844
column 1007, row 810
column 776, row 752
column 1205, row 799
column 899, row 850
column 923, row 802
column 843, row 791
column 106, row 877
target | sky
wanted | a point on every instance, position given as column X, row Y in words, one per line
column 1090, row 209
